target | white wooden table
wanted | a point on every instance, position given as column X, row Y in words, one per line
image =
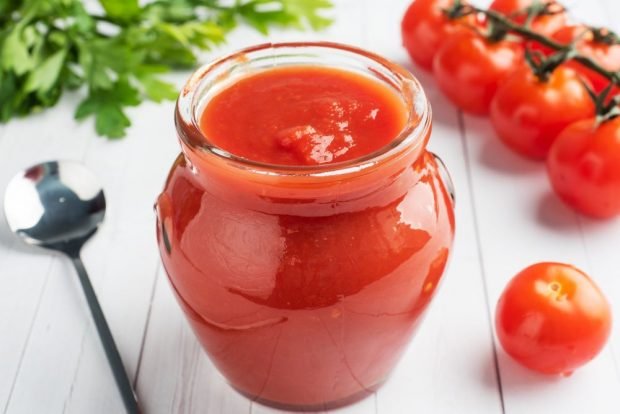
column 51, row 360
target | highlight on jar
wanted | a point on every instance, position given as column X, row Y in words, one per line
column 304, row 227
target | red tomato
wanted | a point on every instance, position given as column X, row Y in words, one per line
column 608, row 56
column 425, row 27
column 528, row 114
column 552, row 318
column 542, row 24
column 584, row 167
column 468, row 69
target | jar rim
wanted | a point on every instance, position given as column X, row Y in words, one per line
column 412, row 135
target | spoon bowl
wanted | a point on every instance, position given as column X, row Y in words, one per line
column 56, row 205
column 59, row 205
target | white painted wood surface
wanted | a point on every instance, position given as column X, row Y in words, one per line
column 50, row 357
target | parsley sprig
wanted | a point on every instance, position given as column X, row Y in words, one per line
column 118, row 53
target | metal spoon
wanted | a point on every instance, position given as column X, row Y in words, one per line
column 59, row 205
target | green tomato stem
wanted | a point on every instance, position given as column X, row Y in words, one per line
column 527, row 33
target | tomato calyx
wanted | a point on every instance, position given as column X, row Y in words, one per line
column 538, row 9
column 458, row 9
column 497, row 31
column 603, row 36
column 606, row 108
column 543, row 66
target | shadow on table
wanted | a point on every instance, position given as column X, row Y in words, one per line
column 489, row 372
column 493, row 154
column 499, row 158
column 518, row 378
column 557, row 215
column 553, row 214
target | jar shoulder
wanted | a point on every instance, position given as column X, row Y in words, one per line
column 297, row 261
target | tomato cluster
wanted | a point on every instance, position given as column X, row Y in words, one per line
column 543, row 115
column 544, row 105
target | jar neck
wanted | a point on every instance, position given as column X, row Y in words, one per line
column 306, row 190
column 306, row 195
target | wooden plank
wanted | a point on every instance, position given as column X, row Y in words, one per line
column 123, row 257
column 25, row 271
column 602, row 238
column 64, row 364
column 455, row 341
column 450, row 365
column 176, row 376
column 523, row 226
column 539, row 230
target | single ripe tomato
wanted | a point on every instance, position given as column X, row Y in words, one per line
column 552, row 318
column 584, row 167
column 528, row 113
column 425, row 27
column 605, row 54
column 469, row 68
column 515, row 9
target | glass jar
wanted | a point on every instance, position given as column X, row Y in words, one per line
column 304, row 284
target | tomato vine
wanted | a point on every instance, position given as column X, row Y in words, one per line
column 500, row 25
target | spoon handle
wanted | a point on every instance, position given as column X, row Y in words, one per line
column 114, row 358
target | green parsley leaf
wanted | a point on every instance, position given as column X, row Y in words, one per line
column 153, row 87
column 121, row 9
column 7, row 7
column 8, row 93
column 264, row 13
column 309, row 10
column 107, row 106
column 50, row 46
column 15, row 54
column 46, row 75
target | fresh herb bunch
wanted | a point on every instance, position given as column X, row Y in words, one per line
column 119, row 52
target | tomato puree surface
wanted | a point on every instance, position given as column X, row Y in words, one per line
column 303, row 115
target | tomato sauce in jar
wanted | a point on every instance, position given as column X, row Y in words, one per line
column 304, row 228
column 303, row 115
